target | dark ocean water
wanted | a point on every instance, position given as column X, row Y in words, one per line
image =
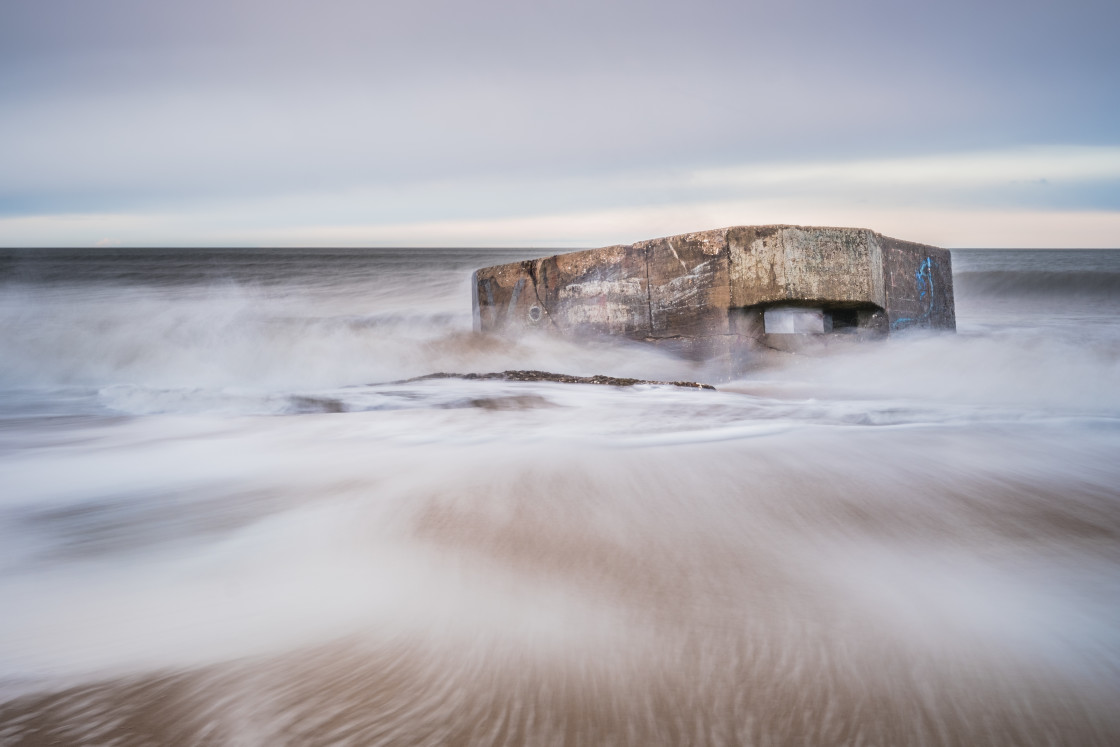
column 225, row 520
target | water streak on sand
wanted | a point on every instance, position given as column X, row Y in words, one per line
column 218, row 528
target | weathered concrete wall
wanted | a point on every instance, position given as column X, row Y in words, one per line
column 774, row 264
column 702, row 293
column 919, row 285
column 601, row 292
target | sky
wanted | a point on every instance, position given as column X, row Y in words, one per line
column 568, row 124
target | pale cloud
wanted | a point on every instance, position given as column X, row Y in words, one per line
column 1024, row 164
column 950, row 227
column 248, row 121
column 951, row 199
column 942, row 227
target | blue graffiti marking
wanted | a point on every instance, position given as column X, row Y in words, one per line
column 923, row 277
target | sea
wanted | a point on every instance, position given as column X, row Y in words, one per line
column 235, row 510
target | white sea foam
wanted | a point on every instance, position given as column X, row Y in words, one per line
column 230, row 496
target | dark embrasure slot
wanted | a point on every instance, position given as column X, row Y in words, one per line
column 842, row 318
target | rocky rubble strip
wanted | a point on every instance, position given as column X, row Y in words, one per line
column 560, row 378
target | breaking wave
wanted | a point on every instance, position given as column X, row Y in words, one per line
column 237, row 509
column 1097, row 285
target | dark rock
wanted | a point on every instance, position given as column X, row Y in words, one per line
column 560, row 378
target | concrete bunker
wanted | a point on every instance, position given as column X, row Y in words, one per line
column 717, row 292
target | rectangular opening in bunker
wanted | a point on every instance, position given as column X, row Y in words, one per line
column 819, row 320
column 844, row 318
column 796, row 320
